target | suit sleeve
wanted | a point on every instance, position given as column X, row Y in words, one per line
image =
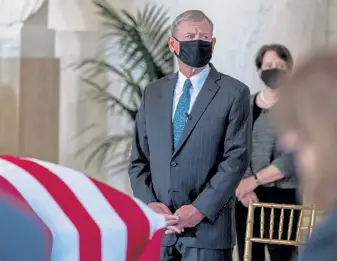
column 284, row 163
column 237, row 150
column 139, row 167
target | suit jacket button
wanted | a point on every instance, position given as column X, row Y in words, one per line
column 173, row 163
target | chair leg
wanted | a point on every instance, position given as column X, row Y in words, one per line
column 248, row 251
column 249, row 234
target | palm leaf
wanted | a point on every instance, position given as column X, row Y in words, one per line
column 118, row 167
column 148, row 26
column 140, row 39
column 102, row 93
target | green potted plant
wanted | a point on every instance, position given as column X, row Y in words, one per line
column 141, row 43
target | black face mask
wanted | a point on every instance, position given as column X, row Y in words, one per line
column 270, row 77
column 196, row 53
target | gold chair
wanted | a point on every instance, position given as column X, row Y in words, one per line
column 291, row 240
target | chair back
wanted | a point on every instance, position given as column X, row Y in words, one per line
column 278, row 215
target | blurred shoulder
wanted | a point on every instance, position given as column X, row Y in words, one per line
column 322, row 244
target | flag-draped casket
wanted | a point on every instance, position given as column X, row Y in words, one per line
column 84, row 219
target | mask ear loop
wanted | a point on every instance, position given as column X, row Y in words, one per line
column 177, row 55
column 175, row 39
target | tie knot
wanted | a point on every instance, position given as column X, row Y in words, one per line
column 187, row 84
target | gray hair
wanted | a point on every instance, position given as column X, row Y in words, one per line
column 190, row 15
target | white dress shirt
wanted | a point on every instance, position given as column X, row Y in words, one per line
column 197, row 81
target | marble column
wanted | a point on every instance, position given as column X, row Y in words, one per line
column 77, row 110
column 78, row 32
column 29, row 85
column 77, row 38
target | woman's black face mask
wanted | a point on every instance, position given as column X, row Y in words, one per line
column 270, row 77
column 195, row 53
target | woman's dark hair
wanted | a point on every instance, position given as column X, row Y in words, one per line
column 282, row 51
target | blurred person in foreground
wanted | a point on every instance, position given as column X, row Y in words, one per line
column 270, row 176
column 307, row 119
column 192, row 146
column 21, row 236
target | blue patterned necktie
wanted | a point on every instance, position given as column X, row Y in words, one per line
column 181, row 112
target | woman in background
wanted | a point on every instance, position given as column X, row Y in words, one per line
column 270, row 176
column 307, row 118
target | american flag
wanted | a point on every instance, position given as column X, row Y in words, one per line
column 84, row 219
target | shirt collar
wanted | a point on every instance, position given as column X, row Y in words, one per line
column 197, row 80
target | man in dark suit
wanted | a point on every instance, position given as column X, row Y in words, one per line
column 192, row 146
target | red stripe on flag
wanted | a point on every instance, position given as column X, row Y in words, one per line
column 152, row 251
column 89, row 232
column 16, row 198
column 138, row 227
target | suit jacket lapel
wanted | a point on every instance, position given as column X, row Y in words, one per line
column 205, row 96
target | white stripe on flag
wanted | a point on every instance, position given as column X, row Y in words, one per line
column 156, row 221
column 65, row 234
column 112, row 227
